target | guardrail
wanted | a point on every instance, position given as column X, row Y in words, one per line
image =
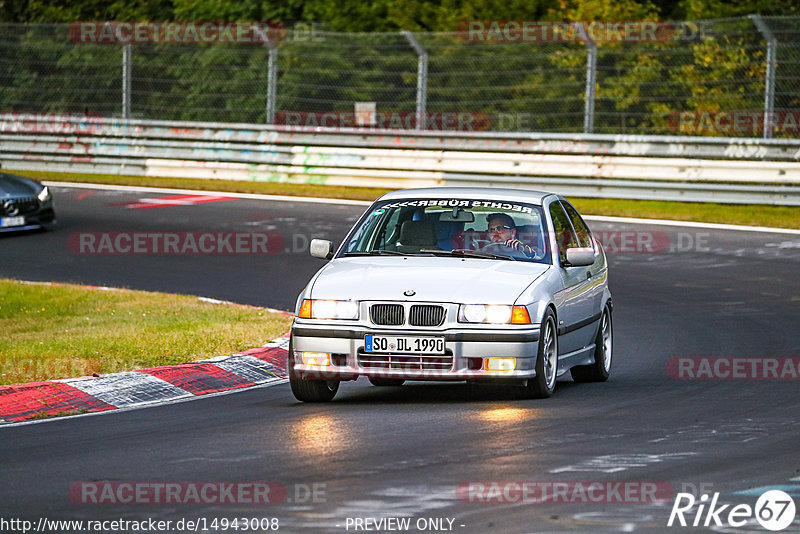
column 699, row 169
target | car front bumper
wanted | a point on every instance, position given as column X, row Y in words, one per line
column 464, row 358
column 41, row 218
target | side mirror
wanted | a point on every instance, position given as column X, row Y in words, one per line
column 580, row 257
column 321, row 248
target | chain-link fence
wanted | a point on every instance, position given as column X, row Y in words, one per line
column 712, row 77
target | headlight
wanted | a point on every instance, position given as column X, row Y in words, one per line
column 493, row 314
column 329, row 309
column 44, row 195
column 472, row 313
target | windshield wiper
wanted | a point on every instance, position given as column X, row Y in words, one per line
column 375, row 253
column 470, row 253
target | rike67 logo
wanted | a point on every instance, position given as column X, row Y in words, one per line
column 774, row 510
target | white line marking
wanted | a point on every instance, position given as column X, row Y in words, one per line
column 316, row 200
column 614, row 463
column 692, row 224
column 253, row 196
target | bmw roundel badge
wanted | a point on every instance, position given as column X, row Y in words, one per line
column 409, row 292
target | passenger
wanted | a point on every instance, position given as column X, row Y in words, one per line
column 502, row 229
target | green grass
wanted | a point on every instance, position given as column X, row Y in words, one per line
column 746, row 214
column 749, row 214
column 64, row 330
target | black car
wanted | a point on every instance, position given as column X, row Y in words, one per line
column 25, row 204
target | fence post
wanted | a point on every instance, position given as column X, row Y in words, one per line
column 126, row 81
column 272, row 82
column 769, row 83
column 591, row 77
column 422, row 78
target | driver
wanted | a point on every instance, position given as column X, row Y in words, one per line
column 502, row 229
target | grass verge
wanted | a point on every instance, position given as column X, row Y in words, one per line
column 746, row 214
column 61, row 331
column 743, row 214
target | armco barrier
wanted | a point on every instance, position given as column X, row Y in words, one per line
column 642, row 167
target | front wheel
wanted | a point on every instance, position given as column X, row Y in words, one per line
column 543, row 384
column 601, row 368
column 307, row 389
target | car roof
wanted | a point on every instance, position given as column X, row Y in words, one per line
column 488, row 193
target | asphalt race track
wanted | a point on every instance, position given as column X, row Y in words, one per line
column 261, row 279
column 428, row 451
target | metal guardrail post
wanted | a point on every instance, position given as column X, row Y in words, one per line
column 422, row 78
column 272, row 72
column 769, row 83
column 126, row 80
column 272, row 82
column 591, row 77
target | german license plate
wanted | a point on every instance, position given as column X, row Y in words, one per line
column 404, row 344
column 12, row 221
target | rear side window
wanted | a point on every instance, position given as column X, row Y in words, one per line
column 565, row 237
column 582, row 231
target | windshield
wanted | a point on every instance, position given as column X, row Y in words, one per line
column 474, row 227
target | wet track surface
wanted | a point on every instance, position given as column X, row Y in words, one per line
column 405, row 452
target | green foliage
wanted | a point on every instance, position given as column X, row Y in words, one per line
column 521, row 85
column 70, row 10
column 717, row 9
column 384, row 15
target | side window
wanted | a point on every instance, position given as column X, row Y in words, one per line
column 584, row 235
column 565, row 237
column 366, row 237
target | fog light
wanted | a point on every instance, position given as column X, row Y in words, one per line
column 320, row 359
column 501, row 364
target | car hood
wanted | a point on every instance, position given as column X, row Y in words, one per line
column 433, row 279
column 15, row 186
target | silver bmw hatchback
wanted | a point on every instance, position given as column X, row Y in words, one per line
column 470, row 284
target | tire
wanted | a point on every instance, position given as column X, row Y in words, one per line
column 310, row 390
column 600, row 369
column 386, row 382
column 543, row 385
